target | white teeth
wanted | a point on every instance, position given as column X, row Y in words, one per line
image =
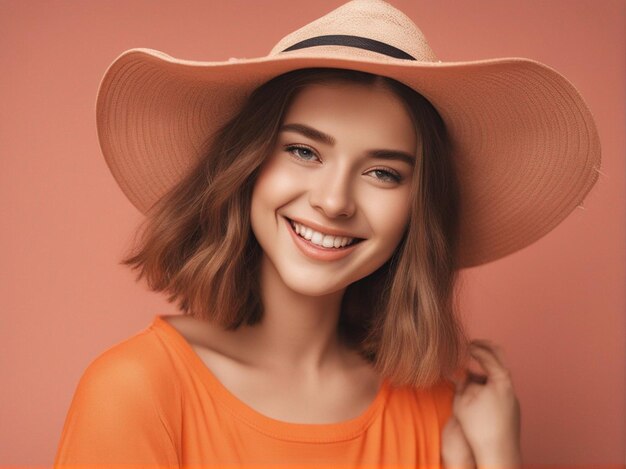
column 317, row 238
column 327, row 241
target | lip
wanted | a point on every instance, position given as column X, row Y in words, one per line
column 317, row 252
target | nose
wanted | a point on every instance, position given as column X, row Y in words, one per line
column 331, row 193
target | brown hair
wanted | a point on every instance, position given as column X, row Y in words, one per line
column 198, row 246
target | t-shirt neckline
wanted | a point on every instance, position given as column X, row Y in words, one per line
column 306, row 432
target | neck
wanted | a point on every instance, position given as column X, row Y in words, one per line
column 298, row 333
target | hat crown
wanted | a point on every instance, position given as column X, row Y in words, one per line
column 374, row 20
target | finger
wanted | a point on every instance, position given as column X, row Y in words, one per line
column 459, row 383
column 492, row 347
column 476, row 378
column 459, row 376
column 466, row 378
column 489, row 362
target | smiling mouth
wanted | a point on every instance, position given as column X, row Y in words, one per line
column 352, row 243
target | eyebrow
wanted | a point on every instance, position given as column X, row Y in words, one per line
column 320, row 136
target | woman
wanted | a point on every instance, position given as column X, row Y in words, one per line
column 312, row 242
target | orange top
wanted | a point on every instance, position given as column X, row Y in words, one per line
column 150, row 401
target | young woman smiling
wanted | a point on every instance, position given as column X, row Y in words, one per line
column 313, row 243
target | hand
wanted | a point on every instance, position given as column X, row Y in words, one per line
column 488, row 410
column 456, row 452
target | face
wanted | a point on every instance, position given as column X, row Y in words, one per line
column 342, row 164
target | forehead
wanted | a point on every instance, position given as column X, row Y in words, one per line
column 372, row 113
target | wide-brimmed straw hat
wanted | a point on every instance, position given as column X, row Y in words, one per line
column 525, row 145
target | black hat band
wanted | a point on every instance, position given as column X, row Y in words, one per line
column 352, row 41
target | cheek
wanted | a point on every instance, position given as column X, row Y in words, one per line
column 274, row 187
column 390, row 215
column 276, row 178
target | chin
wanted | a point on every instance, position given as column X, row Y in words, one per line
column 306, row 284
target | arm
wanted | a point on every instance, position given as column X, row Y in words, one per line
column 115, row 419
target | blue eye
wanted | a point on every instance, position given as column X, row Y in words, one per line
column 293, row 149
column 299, row 152
column 389, row 176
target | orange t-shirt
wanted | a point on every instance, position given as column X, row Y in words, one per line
column 150, row 401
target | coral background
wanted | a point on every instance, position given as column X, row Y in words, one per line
column 556, row 307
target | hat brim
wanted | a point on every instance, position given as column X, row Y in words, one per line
column 525, row 144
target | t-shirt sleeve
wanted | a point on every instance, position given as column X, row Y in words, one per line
column 115, row 419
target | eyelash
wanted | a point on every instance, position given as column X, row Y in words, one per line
column 396, row 177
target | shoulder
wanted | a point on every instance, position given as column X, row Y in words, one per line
column 436, row 400
column 427, row 406
column 123, row 409
column 137, row 366
column 443, row 390
column 442, row 395
column 204, row 334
